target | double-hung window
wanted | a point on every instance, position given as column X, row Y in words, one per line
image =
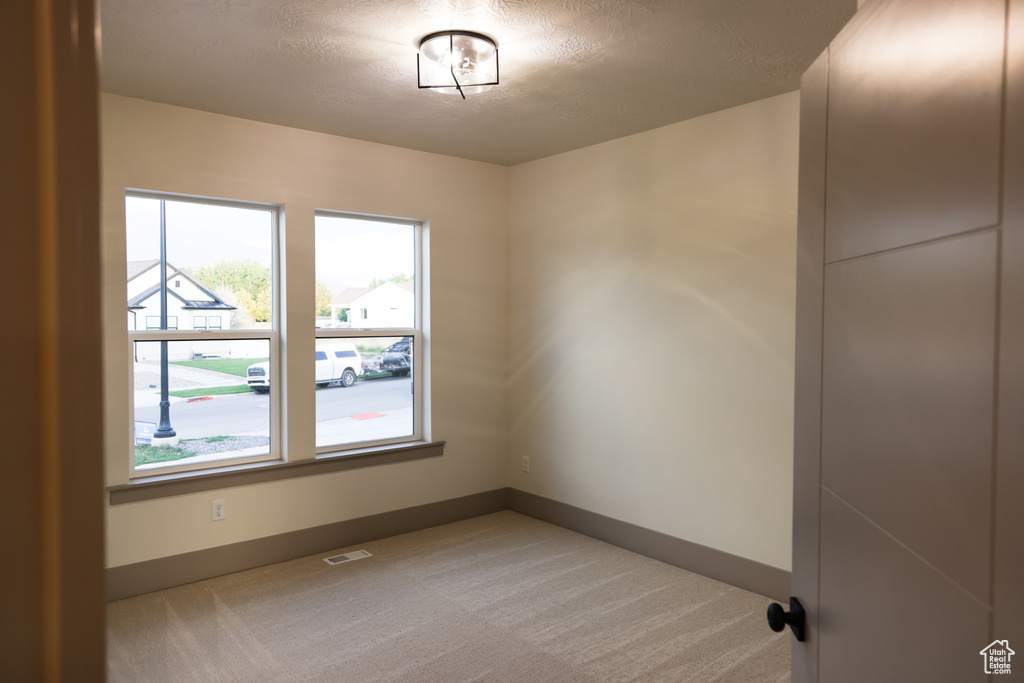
column 203, row 305
column 368, row 366
column 211, row 263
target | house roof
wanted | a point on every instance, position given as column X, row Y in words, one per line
column 137, row 268
column 217, row 304
column 350, row 294
column 184, row 273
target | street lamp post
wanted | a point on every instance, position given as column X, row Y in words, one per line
column 165, row 434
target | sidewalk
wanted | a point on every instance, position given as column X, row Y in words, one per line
column 147, row 381
column 395, row 424
column 147, row 375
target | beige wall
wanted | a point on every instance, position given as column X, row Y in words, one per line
column 642, row 291
column 652, row 300
column 156, row 147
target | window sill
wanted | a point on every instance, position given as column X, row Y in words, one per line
column 162, row 486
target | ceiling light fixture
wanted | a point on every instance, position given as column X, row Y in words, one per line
column 457, row 61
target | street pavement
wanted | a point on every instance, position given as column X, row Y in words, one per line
column 368, row 411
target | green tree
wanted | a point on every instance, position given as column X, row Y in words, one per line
column 242, row 318
column 399, row 277
column 323, row 299
column 244, row 282
column 262, row 306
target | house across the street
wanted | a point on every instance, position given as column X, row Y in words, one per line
column 387, row 305
column 190, row 306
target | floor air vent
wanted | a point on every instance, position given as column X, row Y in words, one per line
column 347, row 557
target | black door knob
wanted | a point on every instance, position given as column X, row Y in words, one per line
column 796, row 618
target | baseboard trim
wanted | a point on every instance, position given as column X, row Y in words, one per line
column 176, row 570
column 716, row 564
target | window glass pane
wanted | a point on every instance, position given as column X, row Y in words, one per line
column 153, row 322
column 365, row 273
column 213, row 411
column 218, row 259
column 364, row 389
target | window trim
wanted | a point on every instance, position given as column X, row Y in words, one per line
column 170, row 480
column 163, row 485
column 271, row 334
column 417, row 332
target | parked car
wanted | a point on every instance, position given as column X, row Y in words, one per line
column 336, row 362
column 258, row 376
column 397, row 358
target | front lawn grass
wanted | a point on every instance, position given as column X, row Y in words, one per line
column 211, row 391
column 145, row 455
column 230, row 366
column 375, row 375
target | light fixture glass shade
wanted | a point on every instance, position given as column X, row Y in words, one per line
column 457, row 62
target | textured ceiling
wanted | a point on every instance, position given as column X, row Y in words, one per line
column 573, row 72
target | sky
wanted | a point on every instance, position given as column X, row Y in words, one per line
column 352, row 253
column 349, row 252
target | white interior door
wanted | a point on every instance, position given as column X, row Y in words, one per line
column 908, row 521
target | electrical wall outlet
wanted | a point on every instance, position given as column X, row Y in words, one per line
column 220, row 510
column 526, row 463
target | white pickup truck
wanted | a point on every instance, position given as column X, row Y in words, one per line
column 337, row 362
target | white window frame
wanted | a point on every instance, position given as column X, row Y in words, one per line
column 170, row 318
column 417, row 332
column 272, row 335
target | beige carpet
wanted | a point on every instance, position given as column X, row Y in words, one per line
column 500, row 598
